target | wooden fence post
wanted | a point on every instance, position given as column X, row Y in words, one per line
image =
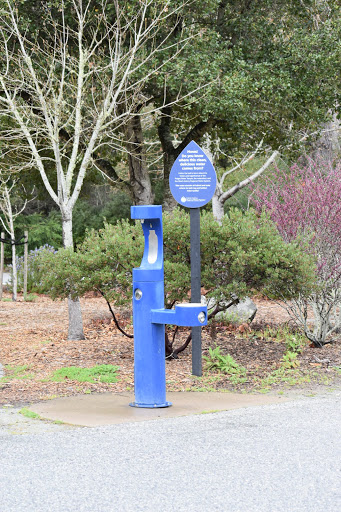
column 25, row 263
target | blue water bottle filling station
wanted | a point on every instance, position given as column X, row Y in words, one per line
column 150, row 315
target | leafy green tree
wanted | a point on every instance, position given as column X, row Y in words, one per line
column 255, row 71
column 42, row 230
column 270, row 74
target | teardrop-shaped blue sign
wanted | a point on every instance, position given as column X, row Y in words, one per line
column 192, row 179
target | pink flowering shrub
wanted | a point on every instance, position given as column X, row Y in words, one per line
column 305, row 204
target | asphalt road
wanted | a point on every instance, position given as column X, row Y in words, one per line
column 284, row 457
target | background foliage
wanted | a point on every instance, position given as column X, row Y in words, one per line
column 243, row 254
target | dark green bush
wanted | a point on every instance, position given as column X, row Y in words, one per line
column 243, row 254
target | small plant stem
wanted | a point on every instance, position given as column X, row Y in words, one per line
column 168, row 347
column 114, row 317
column 174, row 333
column 184, row 346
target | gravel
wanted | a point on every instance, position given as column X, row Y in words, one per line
column 12, row 422
column 274, row 458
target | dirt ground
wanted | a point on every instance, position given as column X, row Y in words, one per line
column 33, row 344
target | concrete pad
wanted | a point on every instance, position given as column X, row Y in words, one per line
column 111, row 408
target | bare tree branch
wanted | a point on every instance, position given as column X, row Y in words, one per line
column 68, row 97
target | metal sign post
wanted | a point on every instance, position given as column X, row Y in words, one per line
column 25, row 263
column 195, row 287
column 193, row 182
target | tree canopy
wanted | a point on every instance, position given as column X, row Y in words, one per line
column 248, row 70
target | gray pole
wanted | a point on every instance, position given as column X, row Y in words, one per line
column 195, row 287
column 2, row 264
column 25, row 264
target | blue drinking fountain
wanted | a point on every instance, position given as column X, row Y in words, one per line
column 150, row 315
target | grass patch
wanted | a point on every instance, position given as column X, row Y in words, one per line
column 31, row 297
column 202, row 389
column 100, row 373
column 16, row 372
column 42, row 343
column 29, row 414
column 288, row 372
column 283, row 375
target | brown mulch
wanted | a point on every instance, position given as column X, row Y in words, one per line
column 34, row 334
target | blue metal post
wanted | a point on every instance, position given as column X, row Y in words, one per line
column 150, row 316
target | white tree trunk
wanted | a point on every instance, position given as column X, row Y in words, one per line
column 75, row 331
column 12, row 234
column 84, row 98
column 7, row 222
column 67, row 229
column 217, row 208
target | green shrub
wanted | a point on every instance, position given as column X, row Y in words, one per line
column 225, row 364
column 243, row 254
column 294, row 343
column 217, row 361
column 289, row 360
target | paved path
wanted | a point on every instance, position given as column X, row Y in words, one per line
column 281, row 457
